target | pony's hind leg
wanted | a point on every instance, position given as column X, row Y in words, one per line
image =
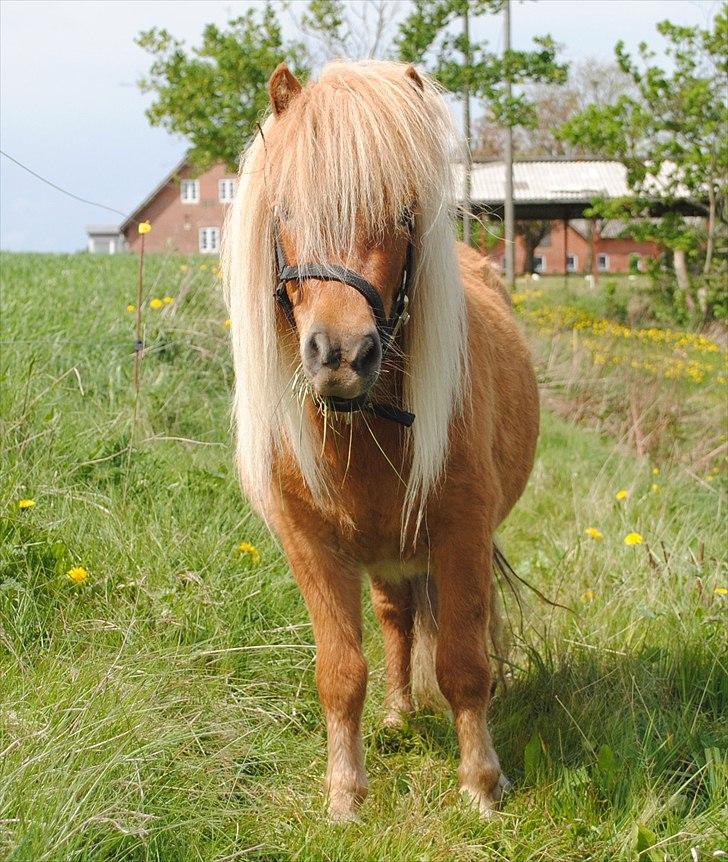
column 463, row 668
column 392, row 603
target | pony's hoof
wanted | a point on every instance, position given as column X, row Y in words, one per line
column 487, row 802
column 344, row 804
column 396, row 719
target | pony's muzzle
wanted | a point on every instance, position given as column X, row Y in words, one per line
column 341, row 366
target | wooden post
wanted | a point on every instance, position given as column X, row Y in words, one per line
column 566, row 249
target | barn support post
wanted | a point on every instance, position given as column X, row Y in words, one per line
column 565, row 220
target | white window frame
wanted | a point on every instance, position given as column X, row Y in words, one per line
column 539, row 268
column 209, row 240
column 572, row 266
column 600, row 267
column 226, row 190
column 189, row 191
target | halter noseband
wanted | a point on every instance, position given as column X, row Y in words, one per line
column 387, row 328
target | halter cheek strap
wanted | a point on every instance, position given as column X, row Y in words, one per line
column 386, row 327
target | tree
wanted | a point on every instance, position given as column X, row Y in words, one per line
column 214, row 95
column 672, row 135
column 589, row 81
column 360, row 30
column 437, row 33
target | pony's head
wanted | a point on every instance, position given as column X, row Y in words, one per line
column 352, row 172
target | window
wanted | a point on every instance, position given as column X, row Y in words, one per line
column 603, row 262
column 209, row 240
column 539, row 263
column 189, row 191
column 226, row 189
column 503, row 264
column 572, row 262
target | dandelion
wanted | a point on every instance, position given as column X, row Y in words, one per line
column 721, row 591
column 144, row 227
column 245, row 549
column 588, row 595
column 621, row 495
column 183, row 267
column 593, row 533
column 131, row 308
column 655, row 471
column 655, row 487
column 633, row 539
column 26, row 504
column 156, row 304
column 168, row 300
column 203, row 266
column 228, row 323
column 77, row 574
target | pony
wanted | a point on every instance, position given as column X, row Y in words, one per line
column 385, row 403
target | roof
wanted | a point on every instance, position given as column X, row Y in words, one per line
column 129, row 220
column 99, row 229
column 548, row 181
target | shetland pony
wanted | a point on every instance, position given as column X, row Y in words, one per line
column 352, row 174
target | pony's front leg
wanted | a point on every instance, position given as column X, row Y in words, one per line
column 392, row 604
column 332, row 592
column 463, row 571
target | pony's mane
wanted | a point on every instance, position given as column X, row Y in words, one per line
column 350, row 154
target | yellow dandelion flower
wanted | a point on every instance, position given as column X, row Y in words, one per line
column 156, row 304
column 593, row 533
column 203, row 266
column 228, row 323
column 655, row 487
column 721, row 591
column 183, row 267
column 633, row 539
column 621, row 495
column 168, row 300
column 26, row 504
column 144, row 227
column 709, row 478
column 245, row 549
column 588, row 595
column 655, row 471
column 131, row 308
column 77, row 574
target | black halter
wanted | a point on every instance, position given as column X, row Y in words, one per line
column 386, row 327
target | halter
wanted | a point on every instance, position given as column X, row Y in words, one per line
column 387, row 328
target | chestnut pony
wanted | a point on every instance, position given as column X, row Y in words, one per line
column 344, row 207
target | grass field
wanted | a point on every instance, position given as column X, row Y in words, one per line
column 164, row 707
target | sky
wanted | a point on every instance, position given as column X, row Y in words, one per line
column 72, row 110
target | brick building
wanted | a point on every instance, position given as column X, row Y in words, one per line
column 579, row 246
column 186, row 211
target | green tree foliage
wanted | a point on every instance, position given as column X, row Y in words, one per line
column 672, row 135
column 433, row 35
column 214, row 95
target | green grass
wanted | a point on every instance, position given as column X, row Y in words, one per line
column 166, row 708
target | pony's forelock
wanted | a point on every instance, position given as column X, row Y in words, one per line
column 350, row 154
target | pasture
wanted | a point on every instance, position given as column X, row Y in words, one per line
column 162, row 705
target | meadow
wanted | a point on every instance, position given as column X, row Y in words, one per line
column 157, row 693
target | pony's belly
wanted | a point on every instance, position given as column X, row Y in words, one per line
column 397, row 569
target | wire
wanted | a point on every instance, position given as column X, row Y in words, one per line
column 62, row 190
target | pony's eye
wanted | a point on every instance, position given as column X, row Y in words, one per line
column 406, row 217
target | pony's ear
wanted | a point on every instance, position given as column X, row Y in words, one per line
column 283, row 87
column 413, row 75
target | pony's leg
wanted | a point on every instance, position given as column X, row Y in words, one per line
column 393, row 606
column 463, row 669
column 332, row 592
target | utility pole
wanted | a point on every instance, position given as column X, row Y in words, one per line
column 468, row 160
column 509, row 220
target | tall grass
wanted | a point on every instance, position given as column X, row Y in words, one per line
column 165, row 708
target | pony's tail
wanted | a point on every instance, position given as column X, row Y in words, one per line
column 425, row 688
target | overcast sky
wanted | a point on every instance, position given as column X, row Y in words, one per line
column 72, row 111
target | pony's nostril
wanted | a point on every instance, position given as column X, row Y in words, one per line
column 319, row 353
column 368, row 355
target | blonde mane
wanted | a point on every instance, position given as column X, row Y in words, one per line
column 351, row 152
